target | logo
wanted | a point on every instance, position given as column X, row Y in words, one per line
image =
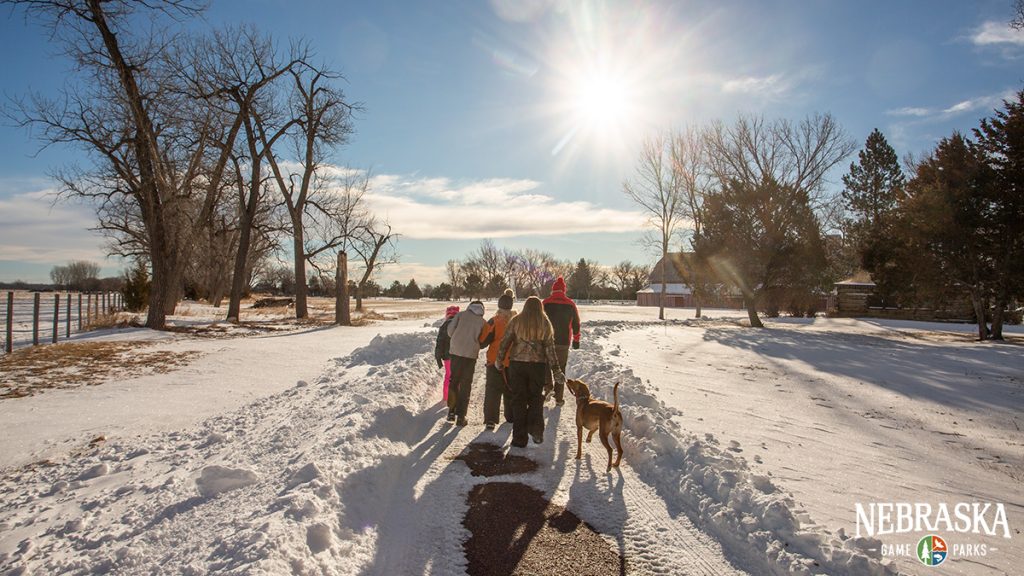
column 931, row 550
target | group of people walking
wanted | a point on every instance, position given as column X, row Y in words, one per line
column 525, row 361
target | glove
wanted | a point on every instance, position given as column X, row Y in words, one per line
column 575, row 344
column 439, row 363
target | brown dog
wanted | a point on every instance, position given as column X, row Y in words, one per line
column 596, row 416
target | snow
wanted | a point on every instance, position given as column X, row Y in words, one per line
column 322, row 450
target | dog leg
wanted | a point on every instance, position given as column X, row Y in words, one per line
column 590, row 436
column 579, row 442
column 607, row 446
column 618, row 444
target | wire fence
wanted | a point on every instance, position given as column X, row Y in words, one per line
column 34, row 318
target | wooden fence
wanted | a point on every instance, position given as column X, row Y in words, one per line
column 33, row 318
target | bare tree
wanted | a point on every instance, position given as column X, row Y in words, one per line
column 657, row 189
column 1018, row 15
column 690, row 164
column 323, row 120
column 456, row 276
column 123, row 119
column 375, row 247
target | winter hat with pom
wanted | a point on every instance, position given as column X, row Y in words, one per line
column 559, row 285
column 451, row 311
column 505, row 301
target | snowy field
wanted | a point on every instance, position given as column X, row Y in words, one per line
column 284, row 448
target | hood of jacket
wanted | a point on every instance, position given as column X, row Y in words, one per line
column 476, row 307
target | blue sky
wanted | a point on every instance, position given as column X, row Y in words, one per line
column 490, row 118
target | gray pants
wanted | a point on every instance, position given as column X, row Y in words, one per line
column 494, row 396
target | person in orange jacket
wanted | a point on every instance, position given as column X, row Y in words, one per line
column 495, row 391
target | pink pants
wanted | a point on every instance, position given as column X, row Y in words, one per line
column 447, row 378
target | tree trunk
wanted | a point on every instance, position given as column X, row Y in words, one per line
column 239, row 277
column 755, row 320
column 299, row 253
column 664, row 284
column 359, row 297
column 979, row 313
column 998, row 315
column 696, row 296
column 156, row 318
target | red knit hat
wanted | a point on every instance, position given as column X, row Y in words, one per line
column 559, row 285
column 451, row 311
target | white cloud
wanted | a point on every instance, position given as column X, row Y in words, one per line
column 35, row 230
column 403, row 271
column 773, row 85
column 910, row 111
column 436, row 208
column 994, row 33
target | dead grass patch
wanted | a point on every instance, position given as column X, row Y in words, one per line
column 29, row 371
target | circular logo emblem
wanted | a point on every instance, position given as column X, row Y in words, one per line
column 931, row 550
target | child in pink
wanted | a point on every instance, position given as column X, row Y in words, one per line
column 441, row 349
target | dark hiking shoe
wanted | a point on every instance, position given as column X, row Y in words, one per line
column 559, row 402
column 451, row 416
column 462, row 422
column 490, row 426
column 519, row 443
column 538, row 438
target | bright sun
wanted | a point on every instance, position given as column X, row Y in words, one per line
column 603, row 104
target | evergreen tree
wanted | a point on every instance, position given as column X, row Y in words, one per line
column 949, row 227
column 581, row 281
column 873, row 190
column 412, row 291
column 395, row 290
column 1001, row 140
column 136, row 287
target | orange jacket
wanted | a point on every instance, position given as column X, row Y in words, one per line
column 493, row 332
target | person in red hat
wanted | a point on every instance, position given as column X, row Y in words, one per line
column 565, row 319
column 441, row 350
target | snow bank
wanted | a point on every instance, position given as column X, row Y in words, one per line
column 270, row 476
column 755, row 522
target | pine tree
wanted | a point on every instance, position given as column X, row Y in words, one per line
column 581, row 282
column 136, row 288
column 873, row 190
column 873, row 187
column 412, row 291
column 1001, row 140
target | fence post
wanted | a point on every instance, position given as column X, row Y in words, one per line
column 79, row 311
column 67, row 320
column 10, row 322
column 56, row 317
column 96, row 306
column 35, row 319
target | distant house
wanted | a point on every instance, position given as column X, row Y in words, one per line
column 852, row 294
column 678, row 288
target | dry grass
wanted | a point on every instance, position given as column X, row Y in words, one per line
column 29, row 371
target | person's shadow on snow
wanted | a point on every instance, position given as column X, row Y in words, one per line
column 415, row 528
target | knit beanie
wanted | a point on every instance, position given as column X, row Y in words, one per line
column 505, row 301
column 559, row 285
column 451, row 311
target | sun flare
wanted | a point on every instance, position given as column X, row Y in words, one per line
column 603, row 103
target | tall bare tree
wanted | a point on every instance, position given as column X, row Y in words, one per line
column 125, row 116
column 323, row 121
column 691, row 166
column 375, row 247
column 657, row 189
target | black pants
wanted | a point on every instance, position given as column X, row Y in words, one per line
column 526, row 390
column 495, row 396
column 562, row 355
column 462, row 384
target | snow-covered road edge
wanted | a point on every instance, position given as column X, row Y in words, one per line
column 756, row 523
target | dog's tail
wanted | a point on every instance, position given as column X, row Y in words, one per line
column 615, row 392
